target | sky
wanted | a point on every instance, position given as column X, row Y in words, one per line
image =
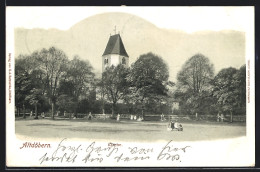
column 188, row 19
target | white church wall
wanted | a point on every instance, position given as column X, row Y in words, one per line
column 114, row 59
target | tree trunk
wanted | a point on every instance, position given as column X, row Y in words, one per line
column 231, row 116
column 142, row 115
column 52, row 110
column 24, row 116
column 76, row 110
column 113, row 109
column 76, row 113
column 36, row 113
column 103, row 105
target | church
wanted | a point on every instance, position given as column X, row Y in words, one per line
column 114, row 53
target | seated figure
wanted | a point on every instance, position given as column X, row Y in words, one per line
column 174, row 126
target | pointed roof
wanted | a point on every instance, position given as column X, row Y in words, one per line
column 115, row 46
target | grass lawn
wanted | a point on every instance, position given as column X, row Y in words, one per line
column 127, row 130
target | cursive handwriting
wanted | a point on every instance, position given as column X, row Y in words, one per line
column 98, row 151
column 94, row 153
column 135, row 154
column 135, row 150
column 171, row 153
column 62, row 153
column 127, row 158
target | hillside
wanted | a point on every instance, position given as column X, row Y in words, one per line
column 89, row 37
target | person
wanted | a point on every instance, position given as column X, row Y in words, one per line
column 74, row 116
column 162, row 117
column 178, row 126
column 89, row 116
column 174, row 125
column 140, row 118
column 43, row 115
column 218, row 116
column 118, row 117
column 170, row 126
column 222, row 117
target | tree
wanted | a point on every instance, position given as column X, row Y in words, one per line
column 22, row 85
column 77, row 80
column 35, row 98
column 66, row 103
column 230, row 90
column 148, row 80
column 100, row 90
column 240, row 78
column 193, row 83
column 53, row 63
column 27, row 77
column 114, row 84
column 49, row 74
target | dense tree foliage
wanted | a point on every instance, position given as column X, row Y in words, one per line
column 77, row 80
column 27, row 79
column 53, row 63
column 49, row 77
column 47, row 81
column 230, row 90
column 193, row 86
column 22, row 84
column 200, row 92
column 148, row 80
column 114, row 84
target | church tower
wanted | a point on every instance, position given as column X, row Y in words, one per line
column 114, row 53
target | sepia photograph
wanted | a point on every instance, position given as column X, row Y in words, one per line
column 130, row 86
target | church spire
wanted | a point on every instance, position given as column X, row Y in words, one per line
column 115, row 46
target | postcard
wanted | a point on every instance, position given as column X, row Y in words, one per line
column 106, row 86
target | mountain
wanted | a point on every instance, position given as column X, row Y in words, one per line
column 89, row 37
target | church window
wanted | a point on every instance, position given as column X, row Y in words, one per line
column 106, row 61
column 123, row 61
